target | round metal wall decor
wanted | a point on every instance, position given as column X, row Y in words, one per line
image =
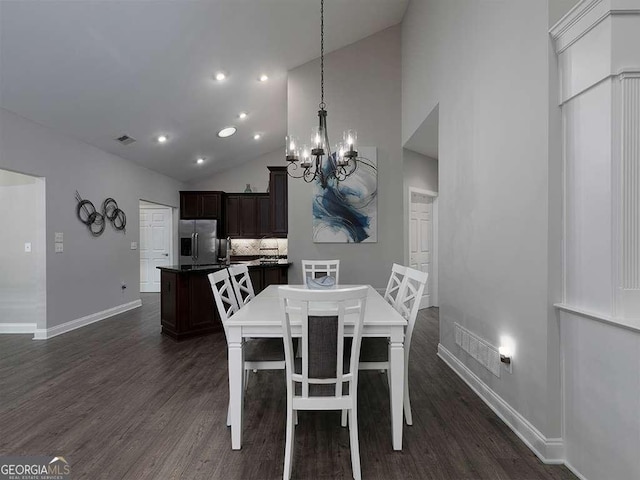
column 96, row 221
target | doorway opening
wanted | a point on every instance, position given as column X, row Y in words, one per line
column 156, row 243
column 421, row 186
column 23, row 253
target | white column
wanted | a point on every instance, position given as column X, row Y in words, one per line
column 599, row 64
column 628, row 285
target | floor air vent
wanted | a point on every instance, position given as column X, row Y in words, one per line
column 479, row 349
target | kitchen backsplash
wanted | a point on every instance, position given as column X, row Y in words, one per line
column 252, row 246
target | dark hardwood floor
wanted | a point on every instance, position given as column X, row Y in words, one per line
column 119, row 400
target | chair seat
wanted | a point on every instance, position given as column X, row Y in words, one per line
column 374, row 349
column 264, row 350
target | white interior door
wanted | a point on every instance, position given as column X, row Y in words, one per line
column 421, row 240
column 155, row 245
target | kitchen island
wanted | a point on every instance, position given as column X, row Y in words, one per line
column 187, row 306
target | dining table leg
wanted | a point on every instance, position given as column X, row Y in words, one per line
column 396, row 366
column 236, row 382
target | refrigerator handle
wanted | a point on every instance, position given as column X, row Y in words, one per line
column 197, row 246
column 193, row 247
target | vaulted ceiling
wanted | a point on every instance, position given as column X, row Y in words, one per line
column 98, row 70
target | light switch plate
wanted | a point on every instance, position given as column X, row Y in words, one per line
column 59, row 247
column 27, row 247
column 59, row 237
column 134, row 245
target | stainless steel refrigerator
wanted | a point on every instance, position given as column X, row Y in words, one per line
column 198, row 242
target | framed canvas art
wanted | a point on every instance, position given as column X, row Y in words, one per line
column 347, row 211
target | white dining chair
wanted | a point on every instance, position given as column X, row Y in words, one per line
column 318, row 379
column 319, row 268
column 259, row 353
column 398, row 273
column 242, row 285
column 375, row 351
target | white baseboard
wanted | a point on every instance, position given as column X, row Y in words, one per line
column 43, row 334
column 17, row 327
column 549, row 450
column 574, row 471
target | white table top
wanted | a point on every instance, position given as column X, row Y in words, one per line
column 265, row 310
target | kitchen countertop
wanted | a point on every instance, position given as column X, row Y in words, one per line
column 214, row 267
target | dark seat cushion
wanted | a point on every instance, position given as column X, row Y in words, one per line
column 372, row 349
column 264, row 349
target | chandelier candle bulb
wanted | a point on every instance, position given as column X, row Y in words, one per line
column 350, row 140
column 306, row 157
column 291, row 149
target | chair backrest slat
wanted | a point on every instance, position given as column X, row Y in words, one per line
column 226, row 301
column 397, row 277
column 242, row 285
column 318, row 268
column 408, row 301
column 321, row 316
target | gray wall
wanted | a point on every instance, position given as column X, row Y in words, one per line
column 362, row 91
column 86, row 278
column 235, row 179
column 487, row 66
column 19, row 220
column 419, row 170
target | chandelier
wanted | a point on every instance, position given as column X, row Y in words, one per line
column 318, row 162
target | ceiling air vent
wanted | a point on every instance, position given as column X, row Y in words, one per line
column 126, row 140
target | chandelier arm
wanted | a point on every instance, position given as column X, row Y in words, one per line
column 291, row 171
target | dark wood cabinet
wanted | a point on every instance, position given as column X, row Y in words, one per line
column 187, row 306
column 194, row 205
column 256, row 279
column 264, row 275
column 232, row 215
column 278, row 196
column 248, row 216
column 274, row 275
column 264, row 215
column 245, row 215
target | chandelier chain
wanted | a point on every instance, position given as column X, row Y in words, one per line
column 322, row 104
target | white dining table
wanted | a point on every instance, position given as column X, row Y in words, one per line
column 262, row 317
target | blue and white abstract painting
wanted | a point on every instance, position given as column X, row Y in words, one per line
column 347, row 212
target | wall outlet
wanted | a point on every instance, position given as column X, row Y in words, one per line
column 27, row 247
column 59, row 237
column 134, row 245
column 508, row 366
column 59, row 247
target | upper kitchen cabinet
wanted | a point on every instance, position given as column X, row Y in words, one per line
column 247, row 215
column 278, row 198
column 201, row 205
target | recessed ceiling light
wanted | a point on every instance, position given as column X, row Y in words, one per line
column 242, row 115
column 220, row 76
column 227, row 132
column 263, row 78
column 162, row 139
column 200, row 160
column 257, row 136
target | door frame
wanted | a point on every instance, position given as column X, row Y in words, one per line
column 153, row 205
column 434, row 238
